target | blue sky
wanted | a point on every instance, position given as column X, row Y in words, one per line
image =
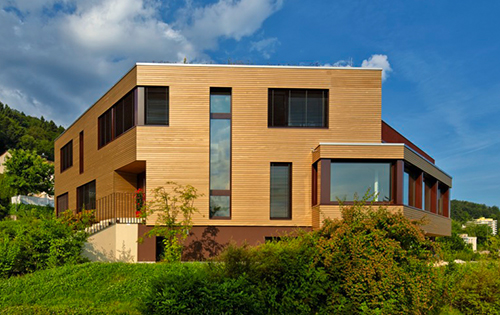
column 441, row 60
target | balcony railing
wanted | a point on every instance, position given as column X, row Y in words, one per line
column 118, row 206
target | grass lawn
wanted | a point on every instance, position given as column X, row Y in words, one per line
column 91, row 288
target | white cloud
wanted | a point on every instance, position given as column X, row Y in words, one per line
column 265, row 46
column 59, row 56
column 378, row 61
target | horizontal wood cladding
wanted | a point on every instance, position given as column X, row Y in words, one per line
column 99, row 164
column 180, row 152
column 359, row 152
column 434, row 225
column 430, row 169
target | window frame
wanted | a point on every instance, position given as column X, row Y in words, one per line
column 66, row 156
column 290, row 190
column 58, row 202
column 145, row 103
column 271, row 107
column 79, row 205
column 102, row 138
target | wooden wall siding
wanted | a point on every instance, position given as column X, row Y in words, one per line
column 180, row 152
column 416, row 160
column 99, row 164
column 359, row 152
column 436, row 225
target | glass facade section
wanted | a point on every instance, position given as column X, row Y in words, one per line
column 281, row 190
column 220, row 153
column 86, row 196
column 348, row 180
column 220, row 206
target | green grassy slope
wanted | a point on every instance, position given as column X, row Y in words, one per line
column 92, row 288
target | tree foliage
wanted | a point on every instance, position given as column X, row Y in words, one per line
column 464, row 211
column 20, row 131
column 26, row 172
column 173, row 207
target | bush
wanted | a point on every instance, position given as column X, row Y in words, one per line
column 371, row 261
column 193, row 289
column 31, row 211
column 31, row 244
column 471, row 288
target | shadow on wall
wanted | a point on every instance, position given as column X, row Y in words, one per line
column 94, row 253
column 204, row 247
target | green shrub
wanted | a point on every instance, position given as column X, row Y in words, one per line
column 193, row 289
column 471, row 288
column 31, row 244
column 31, row 211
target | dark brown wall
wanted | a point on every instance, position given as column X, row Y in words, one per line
column 209, row 241
column 390, row 135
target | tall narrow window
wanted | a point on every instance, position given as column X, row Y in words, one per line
column 297, row 108
column 156, row 102
column 105, row 128
column 281, row 190
column 220, row 153
column 86, row 196
column 62, row 203
column 443, row 199
column 81, row 152
column 66, row 156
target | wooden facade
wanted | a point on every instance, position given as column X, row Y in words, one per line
column 180, row 151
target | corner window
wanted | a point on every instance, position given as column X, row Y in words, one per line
column 66, row 156
column 86, row 196
column 297, row 108
column 351, row 179
column 281, row 190
column 156, row 103
column 117, row 120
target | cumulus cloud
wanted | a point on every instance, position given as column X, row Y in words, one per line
column 378, row 61
column 65, row 54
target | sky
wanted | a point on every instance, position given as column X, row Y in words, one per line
column 441, row 84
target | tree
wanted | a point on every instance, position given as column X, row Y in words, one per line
column 173, row 209
column 26, row 172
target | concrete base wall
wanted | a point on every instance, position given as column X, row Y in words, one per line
column 117, row 242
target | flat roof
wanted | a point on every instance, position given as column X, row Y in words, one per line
column 249, row 66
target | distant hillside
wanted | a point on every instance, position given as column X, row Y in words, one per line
column 19, row 131
column 465, row 210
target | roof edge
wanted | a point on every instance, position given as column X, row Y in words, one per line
column 250, row 66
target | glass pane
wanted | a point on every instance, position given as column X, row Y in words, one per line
column 157, row 106
column 280, row 191
column 119, row 118
column 220, row 154
column 406, row 189
column 219, row 206
column 315, row 109
column 350, row 179
column 220, row 102
column 128, row 112
column 297, row 109
column 279, row 112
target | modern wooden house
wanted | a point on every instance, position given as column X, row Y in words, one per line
column 272, row 148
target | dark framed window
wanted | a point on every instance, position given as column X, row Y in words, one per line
column 349, row 180
column 105, row 126
column 81, row 149
column 86, row 196
column 220, row 153
column 62, row 203
column 427, row 194
column 66, row 156
column 156, row 105
column 281, row 191
column 298, row 108
column 117, row 120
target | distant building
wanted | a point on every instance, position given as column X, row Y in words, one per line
column 2, row 161
column 469, row 240
column 490, row 222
